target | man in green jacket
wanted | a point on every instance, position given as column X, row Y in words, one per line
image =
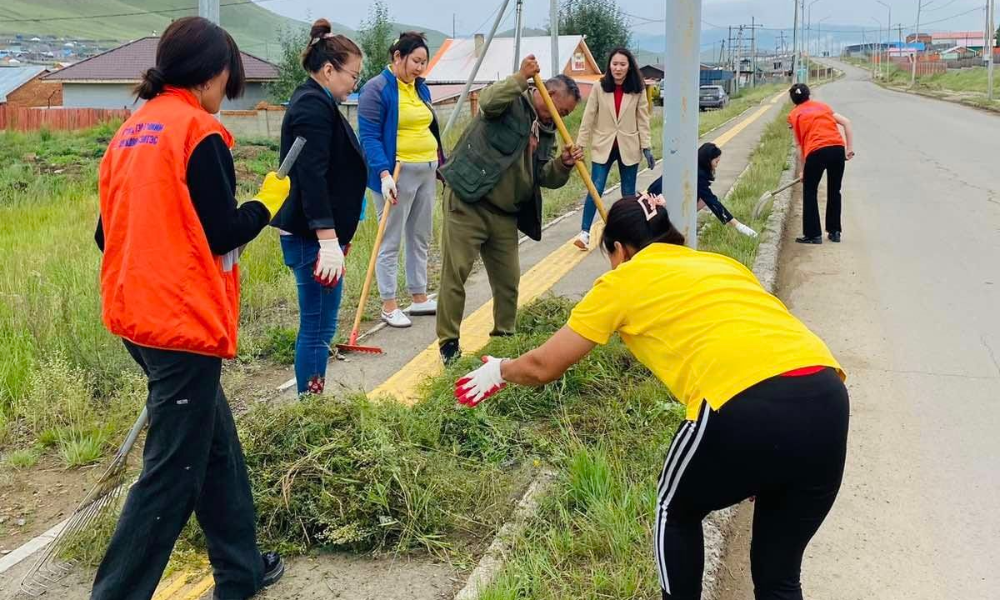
column 493, row 180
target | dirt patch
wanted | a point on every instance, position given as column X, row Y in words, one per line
column 364, row 578
column 39, row 498
column 733, row 580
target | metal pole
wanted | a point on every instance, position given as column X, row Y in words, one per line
column 795, row 45
column 475, row 69
column 739, row 59
column 916, row 39
column 680, row 116
column 554, row 30
column 989, row 50
column 517, row 38
column 753, row 52
column 209, row 9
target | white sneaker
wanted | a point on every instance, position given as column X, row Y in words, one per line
column 745, row 230
column 582, row 241
column 396, row 319
column 419, row 309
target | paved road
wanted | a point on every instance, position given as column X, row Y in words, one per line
column 909, row 303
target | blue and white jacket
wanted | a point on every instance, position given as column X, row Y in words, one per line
column 378, row 123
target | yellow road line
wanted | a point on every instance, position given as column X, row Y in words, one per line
column 475, row 333
column 199, row 588
column 177, row 583
column 727, row 137
column 404, row 385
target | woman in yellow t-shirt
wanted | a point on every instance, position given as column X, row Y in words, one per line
column 397, row 125
column 767, row 410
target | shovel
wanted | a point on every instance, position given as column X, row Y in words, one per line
column 352, row 342
column 568, row 141
column 768, row 196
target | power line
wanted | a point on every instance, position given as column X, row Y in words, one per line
column 135, row 13
column 784, row 29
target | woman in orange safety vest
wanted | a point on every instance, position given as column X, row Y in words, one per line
column 171, row 233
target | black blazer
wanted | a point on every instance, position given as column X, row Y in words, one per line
column 328, row 179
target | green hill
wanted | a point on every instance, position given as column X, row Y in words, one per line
column 255, row 28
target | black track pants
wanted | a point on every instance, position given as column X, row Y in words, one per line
column 783, row 441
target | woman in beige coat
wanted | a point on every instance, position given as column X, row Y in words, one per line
column 615, row 127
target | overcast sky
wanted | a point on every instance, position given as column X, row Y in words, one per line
column 473, row 15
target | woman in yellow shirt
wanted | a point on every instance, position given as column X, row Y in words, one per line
column 767, row 410
column 396, row 124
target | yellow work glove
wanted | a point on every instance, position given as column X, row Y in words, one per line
column 273, row 192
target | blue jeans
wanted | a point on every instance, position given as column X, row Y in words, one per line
column 599, row 173
column 318, row 309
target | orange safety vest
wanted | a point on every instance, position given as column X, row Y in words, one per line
column 161, row 286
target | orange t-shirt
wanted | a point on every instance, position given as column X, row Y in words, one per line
column 814, row 126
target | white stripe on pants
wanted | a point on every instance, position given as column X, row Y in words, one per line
column 683, row 447
column 414, row 216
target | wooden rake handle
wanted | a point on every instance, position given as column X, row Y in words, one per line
column 374, row 257
column 568, row 141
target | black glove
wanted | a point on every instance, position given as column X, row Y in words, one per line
column 649, row 157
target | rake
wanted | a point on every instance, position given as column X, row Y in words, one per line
column 352, row 342
column 568, row 141
column 53, row 565
column 768, row 196
column 104, row 498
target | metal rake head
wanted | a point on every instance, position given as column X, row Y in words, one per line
column 82, row 535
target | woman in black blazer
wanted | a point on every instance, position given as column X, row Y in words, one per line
column 322, row 211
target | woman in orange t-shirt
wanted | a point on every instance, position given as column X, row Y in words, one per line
column 821, row 148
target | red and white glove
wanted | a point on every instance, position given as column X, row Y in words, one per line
column 481, row 383
column 329, row 263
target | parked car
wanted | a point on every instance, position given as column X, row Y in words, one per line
column 712, row 96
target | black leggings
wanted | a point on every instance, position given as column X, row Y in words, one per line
column 784, row 441
column 830, row 159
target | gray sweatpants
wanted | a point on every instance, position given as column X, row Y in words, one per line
column 414, row 216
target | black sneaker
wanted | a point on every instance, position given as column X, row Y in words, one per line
column 450, row 352
column 835, row 237
column 809, row 240
column 274, row 568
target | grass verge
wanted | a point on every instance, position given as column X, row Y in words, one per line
column 50, row 323
column 345, row 473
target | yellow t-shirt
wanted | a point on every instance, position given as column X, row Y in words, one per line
column 700, row 321
column 414, row 141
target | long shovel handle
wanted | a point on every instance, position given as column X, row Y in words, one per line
column 568, row 141
column 371, row 261
column 786, row 186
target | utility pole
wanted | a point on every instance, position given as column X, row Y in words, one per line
column 753, row 52
column 475, row 69
column 795, row 45
column 209, row 9
column 517, row 38
column 680, row 116
column 916, row 38
column 554, row 31
column 989, row 49
column 453, row 36
column 739, row 57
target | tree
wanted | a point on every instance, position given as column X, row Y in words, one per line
column 375, row 36
column 602, row 21
column 290, row 71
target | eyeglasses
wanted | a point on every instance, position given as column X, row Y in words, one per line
column 355, row 76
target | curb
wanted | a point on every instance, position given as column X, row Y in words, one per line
column 495, row 557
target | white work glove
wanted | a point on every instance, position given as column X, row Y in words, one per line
column 747, row 231
column 481, row 383
column 389, row 192
column 329, row 263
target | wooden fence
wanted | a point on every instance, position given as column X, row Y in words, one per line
column 33, row 119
